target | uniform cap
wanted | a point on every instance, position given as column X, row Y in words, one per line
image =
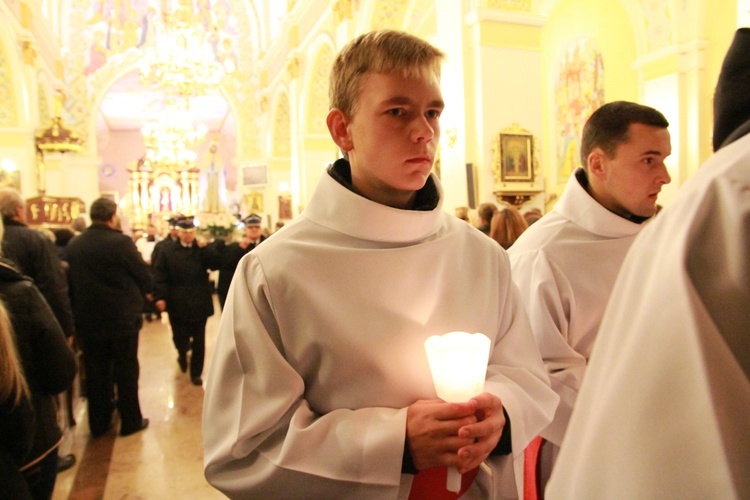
column 186, row 223
column 252, row 220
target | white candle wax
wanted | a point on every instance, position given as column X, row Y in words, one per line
column 458, row 363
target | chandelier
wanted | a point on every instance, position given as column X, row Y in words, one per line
column 168, row 140
column 182, row 62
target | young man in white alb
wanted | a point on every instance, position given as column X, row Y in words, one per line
column 319, row 385
column 566, row 263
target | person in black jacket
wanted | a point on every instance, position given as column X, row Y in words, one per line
column 108, row 281
column 172, row 237
column 36, row 257
column 232, row 253
column 50, row 367
column 184, row 291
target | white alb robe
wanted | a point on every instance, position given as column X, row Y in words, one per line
column 664, row 411
column 565, row 265
column 320, row 350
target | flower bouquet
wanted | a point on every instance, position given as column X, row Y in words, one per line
column 217, row 225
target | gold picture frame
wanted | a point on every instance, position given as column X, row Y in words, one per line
column 514, row 155
column 254, row 202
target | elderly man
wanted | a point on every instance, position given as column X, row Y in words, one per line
column 36, row 257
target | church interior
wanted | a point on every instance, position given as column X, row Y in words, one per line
column 217, row 109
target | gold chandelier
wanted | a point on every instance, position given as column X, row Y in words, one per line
column 168, row 140
column 182, row 62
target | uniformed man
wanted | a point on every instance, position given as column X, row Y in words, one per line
column 171, row 238
column 184, row 291
column 232, row 253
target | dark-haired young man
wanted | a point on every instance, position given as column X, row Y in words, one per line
column 664, row 409
column 567, row 262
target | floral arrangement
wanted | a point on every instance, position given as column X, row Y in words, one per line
column 216, row 225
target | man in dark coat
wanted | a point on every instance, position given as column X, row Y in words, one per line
column 36, row 257
column 108, row 280
column 232, row 253
column 184, row 291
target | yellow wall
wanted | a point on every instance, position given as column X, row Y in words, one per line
column 608, row 23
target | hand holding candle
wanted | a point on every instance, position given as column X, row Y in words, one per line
column 458, row 363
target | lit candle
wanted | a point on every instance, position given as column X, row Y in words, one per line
column 458, row 362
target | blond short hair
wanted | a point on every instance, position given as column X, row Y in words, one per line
column 384, row 51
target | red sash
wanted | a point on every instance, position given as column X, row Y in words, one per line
column 429, row 484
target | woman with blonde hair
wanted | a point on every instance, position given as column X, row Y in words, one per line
column 507, row 225
column 16, row 414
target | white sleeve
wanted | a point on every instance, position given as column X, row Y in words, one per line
column 547, row 294
column 261, row 438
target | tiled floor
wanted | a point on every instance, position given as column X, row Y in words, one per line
column 163, row 461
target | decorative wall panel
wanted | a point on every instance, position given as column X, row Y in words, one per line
column 579, row 91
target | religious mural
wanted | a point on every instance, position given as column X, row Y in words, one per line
column 115, row 26
column 578, row 93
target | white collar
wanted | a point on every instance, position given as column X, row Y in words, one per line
column 336, row 207
column 577, row 205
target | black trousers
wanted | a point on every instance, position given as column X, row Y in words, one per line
column 190, row 336
column 109, row 364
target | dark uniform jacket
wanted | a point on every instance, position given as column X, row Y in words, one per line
column 36, row 256
column 108, row 280
column 159, row 247
column 49, row 364
column 230, row 257
column 181, row 276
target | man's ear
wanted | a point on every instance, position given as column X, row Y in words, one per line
column 596, row 163
column 338, row 126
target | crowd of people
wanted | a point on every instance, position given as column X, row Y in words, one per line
column 88, row 290
column 618, row 364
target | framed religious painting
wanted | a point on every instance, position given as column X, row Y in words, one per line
column 514, row 152
column 254, row 202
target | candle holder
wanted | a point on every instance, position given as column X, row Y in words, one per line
column 458, row 363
